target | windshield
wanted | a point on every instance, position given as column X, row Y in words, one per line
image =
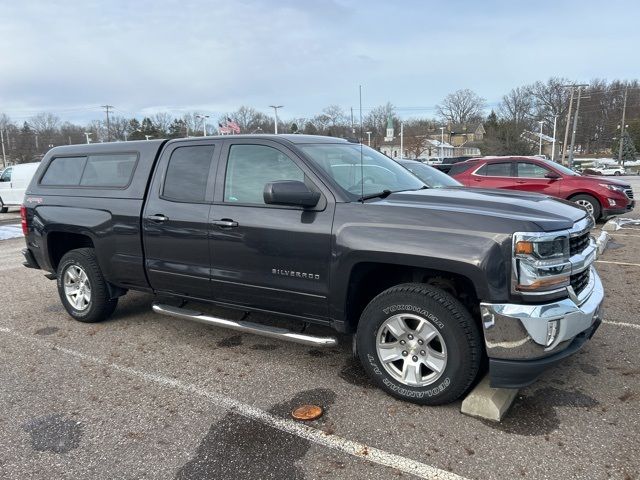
column 372, row 173
column 432, row 177
column 561, row 168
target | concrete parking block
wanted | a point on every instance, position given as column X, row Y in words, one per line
column 488, row 403
column 601, row 241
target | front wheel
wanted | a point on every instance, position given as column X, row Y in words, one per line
column 590, row 203
column 617, row 174
column 419, row 344
column 82, row 287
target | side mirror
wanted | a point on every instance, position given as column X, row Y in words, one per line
column 552, row 176
column 290, row 192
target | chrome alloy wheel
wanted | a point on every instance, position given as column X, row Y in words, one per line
column 411, row 350
column 77, row 288
column 586, row 204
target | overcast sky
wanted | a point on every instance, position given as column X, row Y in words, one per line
column 211, row 56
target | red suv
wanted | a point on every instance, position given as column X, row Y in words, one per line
column 602, row 197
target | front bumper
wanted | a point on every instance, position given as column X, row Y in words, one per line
column 609, row 211
column 516, row 335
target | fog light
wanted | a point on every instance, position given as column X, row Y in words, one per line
column 552, row 331
column 612, row 202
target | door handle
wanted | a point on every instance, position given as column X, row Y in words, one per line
column 158, row 218
column 225, row 223
column 521, row 181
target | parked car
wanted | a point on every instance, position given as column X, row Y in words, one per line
column 13, row 183
column 430, row 281
column 448, row 162
column 601, row 197
column 604, row 169
column 432, row 177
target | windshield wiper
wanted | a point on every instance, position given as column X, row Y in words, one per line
column 383, row 194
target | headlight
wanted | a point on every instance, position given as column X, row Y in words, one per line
column 541, row 262
column 614, row 188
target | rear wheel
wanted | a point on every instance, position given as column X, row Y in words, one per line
column 82, row 287
column 590, row 204
column 617, row 174
column 3, row 208
column 419, row 344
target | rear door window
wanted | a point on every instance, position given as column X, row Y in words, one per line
column 188, row 173
column 502, row 169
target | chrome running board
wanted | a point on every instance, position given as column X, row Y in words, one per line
column 244, row 326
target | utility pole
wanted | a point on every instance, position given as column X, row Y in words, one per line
column 401, row 140
column 553, row 145
column 106, row 109
column 575, row 126
column 566, row 130
column 353, row 130
column 275, row 109
column 540, row 143
column 624, row 111
column 441, row 143
column 4, row 155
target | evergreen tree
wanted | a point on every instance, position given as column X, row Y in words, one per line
column 26, row 144
column 135, row 130
column 628, row 148
column 178, row 129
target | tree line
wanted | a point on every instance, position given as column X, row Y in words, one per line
column 522, row 108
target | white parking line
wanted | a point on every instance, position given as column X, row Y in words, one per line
column 619, row 263
column 622, row 324
column 357, row 449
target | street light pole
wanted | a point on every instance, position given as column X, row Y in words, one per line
column 88, row 134
column 204, row 124
column 540, row 143
column 441, row 143
column 401, row 140
column 368, row 137
column 275, row 110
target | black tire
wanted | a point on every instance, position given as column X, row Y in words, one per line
column 617, row 174
column 451, row 321
column 100, row 305
column 595, row 204
column 3, row 208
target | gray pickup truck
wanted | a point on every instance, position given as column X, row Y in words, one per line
column 435, row 284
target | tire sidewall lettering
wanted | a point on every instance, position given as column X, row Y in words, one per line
column 414, row 309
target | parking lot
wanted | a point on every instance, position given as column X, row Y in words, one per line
column 147, row 396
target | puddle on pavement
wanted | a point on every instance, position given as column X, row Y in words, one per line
column 46, row 331
column 54, row 433
column 242, row 448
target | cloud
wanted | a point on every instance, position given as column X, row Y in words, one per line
column 146, row 55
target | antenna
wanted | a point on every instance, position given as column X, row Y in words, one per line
column 361, row 154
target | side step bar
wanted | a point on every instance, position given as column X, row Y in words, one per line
column 244, row 326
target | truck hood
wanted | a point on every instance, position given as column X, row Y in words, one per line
column 546, row 212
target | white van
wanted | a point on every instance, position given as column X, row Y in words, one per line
column 13, row 183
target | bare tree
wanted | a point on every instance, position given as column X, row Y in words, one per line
column 376, row 122
column 162, row 122
column 248, row 119
column 517, row 105
column 45, row 123
column 461, row 106
column 119, row 128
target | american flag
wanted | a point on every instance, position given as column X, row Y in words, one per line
column 233, row 125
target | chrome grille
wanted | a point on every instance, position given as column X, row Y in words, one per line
column 579, row 281
column 578, row 243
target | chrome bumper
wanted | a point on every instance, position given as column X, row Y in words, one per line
column 519, row 332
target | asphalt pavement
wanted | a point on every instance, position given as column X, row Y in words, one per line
column 148, row 396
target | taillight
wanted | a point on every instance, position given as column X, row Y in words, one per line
column 23, row 220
